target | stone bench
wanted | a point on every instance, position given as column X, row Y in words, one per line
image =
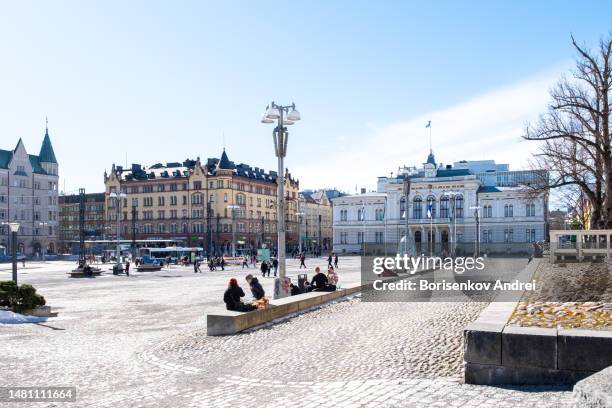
column 79, row 273
column 230, row 322
column 148, row 268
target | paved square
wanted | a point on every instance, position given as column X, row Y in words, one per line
column 140, row 341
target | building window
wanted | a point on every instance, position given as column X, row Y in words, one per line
column 444, row 207
column 530, row 210
column 197, row 185
column 508, row 210
column 343, row 215
column 240, row 199
column 379, row 237
column 360, row 237
column 343, row 237
column 459, row 207
column 487, row 236
column 530, row 235
column 173, row 228
column 380, row 214
column 403, row 208
column 361, row 214
column 417, row 210
column 508, row 235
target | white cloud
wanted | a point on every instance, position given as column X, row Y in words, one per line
column 488, row 126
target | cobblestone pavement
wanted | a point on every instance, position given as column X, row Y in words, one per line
column 140, row 342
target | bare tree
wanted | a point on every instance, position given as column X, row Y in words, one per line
column 574, row 134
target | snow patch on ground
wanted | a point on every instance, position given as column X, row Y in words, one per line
column 8, row 317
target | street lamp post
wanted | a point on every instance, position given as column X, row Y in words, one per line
column 363, row 240
column 407, row 185
column 281, row 136
column 233, row 207
column 42, row 250
column 117, row 197
column 299, row 215
column 14, row 228
column 476, row 209
column 453, row 196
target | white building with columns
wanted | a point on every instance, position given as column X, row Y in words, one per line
column 457, row 206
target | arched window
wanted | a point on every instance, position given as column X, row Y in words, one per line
column 431, row 207
column 161, row 228
column 240, row 199
column 380, row 214
column 417, row 211
column 444, row 207
column 459, row 206
column 403, row 208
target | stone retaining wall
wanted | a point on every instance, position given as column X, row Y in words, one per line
column 499, row 354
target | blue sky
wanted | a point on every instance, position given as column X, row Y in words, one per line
column 163, row 81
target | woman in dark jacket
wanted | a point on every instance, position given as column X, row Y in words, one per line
column 256, row 288
column 232, row 296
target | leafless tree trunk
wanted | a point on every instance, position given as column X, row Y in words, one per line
column 574, row 134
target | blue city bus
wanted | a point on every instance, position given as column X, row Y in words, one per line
column 158, row 255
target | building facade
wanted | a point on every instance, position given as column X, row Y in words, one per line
column 28, row 196
column 200, row 204
column 316, row 220
column 462, row 204
column 69, row 220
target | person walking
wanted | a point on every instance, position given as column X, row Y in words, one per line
column 127, row 268
column 264, row 268
column 302, row 259
column 222, row 263
column 275, row 265
column 329, row 260
column 245, row 262
column 336, row 261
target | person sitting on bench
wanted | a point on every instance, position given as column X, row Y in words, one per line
column 320, row 283
column 232, row 296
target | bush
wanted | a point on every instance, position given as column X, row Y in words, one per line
column 19, row 298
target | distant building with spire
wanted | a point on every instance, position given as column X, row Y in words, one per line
column 28, row 196
column 458, row 207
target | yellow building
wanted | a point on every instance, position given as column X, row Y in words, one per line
column 192, row 203
column 316, row 220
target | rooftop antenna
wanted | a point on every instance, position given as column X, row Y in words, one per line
column 46, row 125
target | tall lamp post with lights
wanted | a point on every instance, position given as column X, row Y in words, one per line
column 233, row 208
column 284, row 116
column 118, row 197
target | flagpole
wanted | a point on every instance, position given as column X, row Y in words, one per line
column 431, row 234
